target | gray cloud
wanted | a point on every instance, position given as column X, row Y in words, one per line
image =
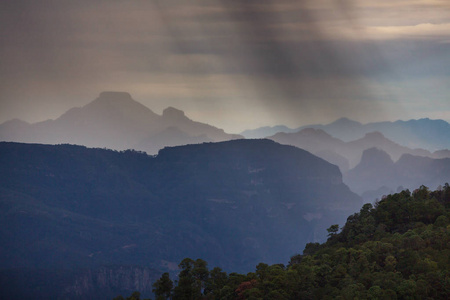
column 295, row 60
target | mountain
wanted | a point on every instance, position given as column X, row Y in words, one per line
column 317, row 142
column 377, row 172
column 234, row 203
column 173, row 117
column 431, row 135
column 441, row 153
column 378, row 140
column 343, row 128
column 373, row 172
column 115, row 121
column 396, row 249
column 346, row 155
column 423, row 133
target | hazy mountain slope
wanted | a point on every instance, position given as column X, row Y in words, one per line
column 374, row 171
column 377, row 171
column 233, row 203
column 319, row 143
column 115, row 121
column 441, row 154
column 423, row 133
column 428, row 134
column 343, row 128
column 173, row 117
column 15, row 129
column 377, row 139
column 344, row 154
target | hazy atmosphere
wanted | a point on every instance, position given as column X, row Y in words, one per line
column 233, row 64
column 140, row 153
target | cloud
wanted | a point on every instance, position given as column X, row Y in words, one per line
column 292, row 58
column 439, row 32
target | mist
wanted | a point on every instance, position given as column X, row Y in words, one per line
column 234, row 64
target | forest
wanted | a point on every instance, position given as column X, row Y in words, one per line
column 398, row 248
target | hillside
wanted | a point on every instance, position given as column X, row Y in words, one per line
column 234, row 203
column 397, row 249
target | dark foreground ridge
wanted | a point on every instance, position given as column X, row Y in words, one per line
column 69, row 213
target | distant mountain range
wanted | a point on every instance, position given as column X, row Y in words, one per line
column 374, row 166
column 115, row 121
column 346, row 155
column 423, row 133
column 234, row 204
column 377, row 174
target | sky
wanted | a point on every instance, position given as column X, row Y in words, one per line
column 234, row 64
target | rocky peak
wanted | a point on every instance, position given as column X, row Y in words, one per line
column 375, row 135
column 345, row 122
column 173, row 114
column 375, row 157
column 121, row 102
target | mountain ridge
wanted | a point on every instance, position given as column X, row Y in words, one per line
column 113, row 120
column 376, row 172
column 234, row 203
column 425, row 133
column 320, row 142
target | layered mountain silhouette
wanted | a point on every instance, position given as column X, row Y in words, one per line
column 374, row 166
column 428, row 134
column 346, row 155
column 233, row 203
column 115, row 121
column 377, row 174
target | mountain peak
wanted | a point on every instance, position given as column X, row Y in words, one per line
column 121, row 102
column 376, row 135
column 345, row 122
column 375, row 157
column 15, row 122
column 173, row 113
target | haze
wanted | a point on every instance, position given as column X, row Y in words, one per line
column 233, row 64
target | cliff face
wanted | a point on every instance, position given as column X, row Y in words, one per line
column 108, row 282
column 105, row 282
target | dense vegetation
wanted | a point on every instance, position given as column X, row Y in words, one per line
column 397, row 249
